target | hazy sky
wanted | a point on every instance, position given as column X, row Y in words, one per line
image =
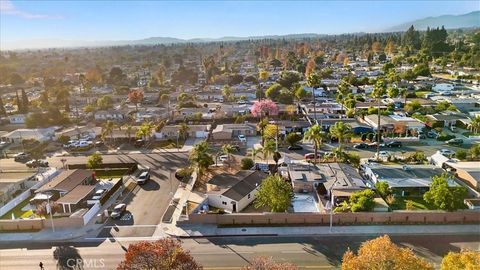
column 117, row 20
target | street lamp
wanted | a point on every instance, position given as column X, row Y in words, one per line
column 178, row 146
column 49, row 209
column 331, row 200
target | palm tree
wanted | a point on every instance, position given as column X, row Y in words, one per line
column 128, row 131
column 200, row 158
column 255, row 152
column 145, row 130
column 315, row 134
column 342, row 132
column 228, row 150
column 475, row 124
column 268, row 149
column 378, row 91
column 261, row 127
column 314, row 81
column 107, row 129
column 183, row 130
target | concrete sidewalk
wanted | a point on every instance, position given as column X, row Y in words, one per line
column 194, row 231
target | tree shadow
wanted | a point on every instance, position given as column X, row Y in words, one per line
column 67, row 257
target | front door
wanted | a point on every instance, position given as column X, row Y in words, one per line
column 234, row 206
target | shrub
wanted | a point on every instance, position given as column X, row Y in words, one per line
column 445, row 137
column 409, row 205
column 461, row 154
column 247, row 163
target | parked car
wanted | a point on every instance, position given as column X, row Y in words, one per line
column 432, row 134
column 360, row 146
column 394, row 144
column 21, row 157
column 295, row 147
column 311, row 156
column 35, row 163
column 455, row 141
column 383, row 155
column 446, row 152
column 139, row 143
column 98, row 194
column 143, row 177
column 3, row 144
column 118, row 210
column 99, row 143
column 242, row 138
column 223, row 158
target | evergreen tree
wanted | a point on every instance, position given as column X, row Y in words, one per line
column 19, row 104
column 411, row 39
column 25, row 103
column 2, row 108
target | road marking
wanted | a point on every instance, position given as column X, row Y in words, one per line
column 293, row 251
column 222, row 253
column 130, row 226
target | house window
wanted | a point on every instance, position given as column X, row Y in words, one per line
column 224, row 203
column 248, row 196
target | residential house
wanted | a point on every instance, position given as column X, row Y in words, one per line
column 184, row 113
column 39, row 134
column 193, row 131
column 70, row 189
column 446, row 119
column 78, row 132
column 234, row 192
column 465, row 105
column 229, row 131
column 112, row 115
column 13, row 183
column 467, row 172
column 397, row 123
column 405, row 180
column 17, row 119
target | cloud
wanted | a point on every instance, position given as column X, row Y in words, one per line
column 7, row 8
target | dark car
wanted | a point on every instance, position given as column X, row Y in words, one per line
column 139, row 143
column 455, row 141
column 37, row 163
column 393, row 144
column 360, row 146
column 21, row 157
column 295, row 147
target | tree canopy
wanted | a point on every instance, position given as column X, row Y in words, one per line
column 381, row 254
column 274, row 193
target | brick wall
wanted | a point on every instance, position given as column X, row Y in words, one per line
column 416, row 217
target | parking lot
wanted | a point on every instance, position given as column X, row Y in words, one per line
column 145, row 204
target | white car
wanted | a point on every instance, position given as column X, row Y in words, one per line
column 446, row 152
column 242, row 138
column 223, row 158
column 383, row 155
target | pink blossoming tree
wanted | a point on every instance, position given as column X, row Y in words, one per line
column 264, row 107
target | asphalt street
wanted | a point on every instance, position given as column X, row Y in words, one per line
column 147, row 203
column 321, row 252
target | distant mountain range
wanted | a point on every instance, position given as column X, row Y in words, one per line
column 61, row 43
column 468, row 20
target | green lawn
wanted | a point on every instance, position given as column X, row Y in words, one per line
column 421, row 94
column 169, row 144
column 17, row 211
column 418, row 204
column 107, row 174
